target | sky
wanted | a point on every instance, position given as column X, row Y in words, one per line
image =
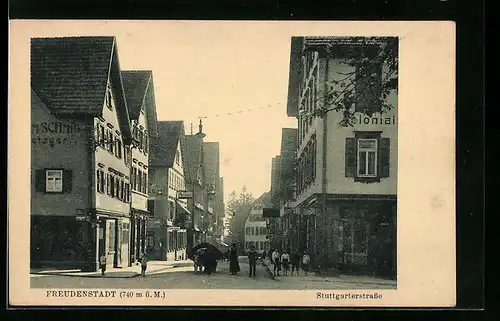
column 210, row 71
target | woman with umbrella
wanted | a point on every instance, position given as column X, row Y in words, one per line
column 234, row 266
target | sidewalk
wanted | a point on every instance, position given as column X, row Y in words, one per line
column 125, row 272
column 353, row 279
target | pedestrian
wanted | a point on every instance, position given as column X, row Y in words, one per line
column 252, row 261
column 197, row 261
column 263, row 255
column 285, row 261
column 102, row 264
column 276, row 261
column 295, row 261
column 144, row 264
column 210, row 261
column 306, row 261
column 234, row 266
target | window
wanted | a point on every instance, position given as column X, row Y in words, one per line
column 256, row 231
column 144, row 183
column 54, row 181
column 118, row 148
column 101, row 181
column 109, row 98
column 126, row 151
column 139, row 185
column 367, row 157
column 141, row 141
column 100, row 134
column 368, row 88
column 146, row 143
column 355, row 241
column 177, row 157
column 111, row 237
column 134, row 179
column 110, row 141
column 125, row 233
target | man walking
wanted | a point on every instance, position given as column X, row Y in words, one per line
column 252, row 261
column 276, row 261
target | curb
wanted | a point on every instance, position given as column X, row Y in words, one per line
column 136, row 274
column 95, row 276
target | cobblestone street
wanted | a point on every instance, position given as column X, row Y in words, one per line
column 183, row 277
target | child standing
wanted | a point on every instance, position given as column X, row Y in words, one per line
column 144, row 264
column 306, row 260
column 102, row 264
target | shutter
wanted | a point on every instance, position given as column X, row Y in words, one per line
column 350, row 157
column 67, row 180
column 40, row 180
column 385, row 152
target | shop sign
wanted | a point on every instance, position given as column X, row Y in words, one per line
column 184, row 194
column 55, row 133
column 80, row 214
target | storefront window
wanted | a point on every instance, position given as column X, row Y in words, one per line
column 111, row 237
column 355, row 241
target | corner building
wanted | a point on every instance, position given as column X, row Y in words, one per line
column 80, row 130
column 346, row 193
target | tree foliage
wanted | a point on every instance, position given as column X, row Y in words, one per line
column 238, row 208
column 372, row 76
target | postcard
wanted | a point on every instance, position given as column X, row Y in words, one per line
column 231, row 163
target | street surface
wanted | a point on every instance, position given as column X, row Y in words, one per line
column 184, row 278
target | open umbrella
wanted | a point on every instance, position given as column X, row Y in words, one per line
column 212, row 249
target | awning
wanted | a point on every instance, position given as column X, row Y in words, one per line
column 183, row 209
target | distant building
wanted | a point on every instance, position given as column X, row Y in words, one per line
column 256, row 230
column 168, row 172
column 80, row 133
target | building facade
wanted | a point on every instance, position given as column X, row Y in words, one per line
column 139, row 91
column 80, row 130
column 346, row 190
column 256, row 230
column 168, row 229
column 198, row 202
column 211, row 162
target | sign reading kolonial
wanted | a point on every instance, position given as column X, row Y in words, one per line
column 184, row 194
column 374, row 120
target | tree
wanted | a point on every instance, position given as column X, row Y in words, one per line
column 373, row 76
column 238, row 208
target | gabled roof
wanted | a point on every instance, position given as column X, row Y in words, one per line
column 135, row 84
column 70, row 76
column 165, row 146
column 194, row 146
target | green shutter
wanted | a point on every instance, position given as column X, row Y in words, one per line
column 385, row 152
column 40, row 180
column 67, row 180
column 350, row 157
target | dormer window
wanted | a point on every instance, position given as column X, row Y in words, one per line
column 109, row 98
column 177, row 157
